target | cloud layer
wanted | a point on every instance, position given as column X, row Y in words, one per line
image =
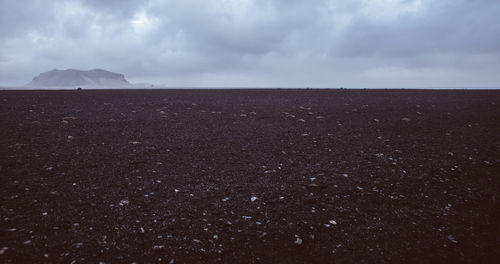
column 257, row 43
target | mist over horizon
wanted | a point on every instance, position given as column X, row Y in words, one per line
column 288, row 44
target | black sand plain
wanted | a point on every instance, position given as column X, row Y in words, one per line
column 250, row 176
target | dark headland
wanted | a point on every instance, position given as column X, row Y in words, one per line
column 73, row 78
column 250, row 176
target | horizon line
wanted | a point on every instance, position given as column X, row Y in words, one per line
column 2, row 87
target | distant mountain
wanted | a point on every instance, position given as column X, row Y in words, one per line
column 72, row 78
column 144, row 85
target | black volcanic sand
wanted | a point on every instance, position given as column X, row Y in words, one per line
column 168, row 176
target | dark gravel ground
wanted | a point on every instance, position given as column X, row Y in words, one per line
column 237, row 176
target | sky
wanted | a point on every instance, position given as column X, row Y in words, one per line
column 257, row 43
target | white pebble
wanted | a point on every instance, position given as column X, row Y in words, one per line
column 2, row 250
column 452, row 239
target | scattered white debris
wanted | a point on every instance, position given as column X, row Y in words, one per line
column 12, row 229
column 298, row 241
column 70, row 137
column 313, row 179
column 243, row 115
column 405, row 119
column 45, row 214
column 282, row 197
column 450, row 154
column 158, row 246
column 301, row 120
column 176, row 191
column 142, row 230
column 452, row 239
column 134, row 142
column 123, row 202
column 345, row 175
column 46, row 255
column 216, row 237
column 359, row 188
column 326, row 225
column 253, row 198
column 27, row 242
column 379, row 155
column 225, row 199
column 332, row 222
column 246, row 217
column 78, row 245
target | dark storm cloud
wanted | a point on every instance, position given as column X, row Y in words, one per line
column 361, row 43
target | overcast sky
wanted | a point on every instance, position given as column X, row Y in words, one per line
column 259, row 43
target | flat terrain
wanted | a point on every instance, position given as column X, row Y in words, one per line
column 237, row 176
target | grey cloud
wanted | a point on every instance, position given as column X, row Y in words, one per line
column 245, row 43
column 461, row 29
column 17, row 19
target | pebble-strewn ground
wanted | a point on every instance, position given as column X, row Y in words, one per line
column 236, row 176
